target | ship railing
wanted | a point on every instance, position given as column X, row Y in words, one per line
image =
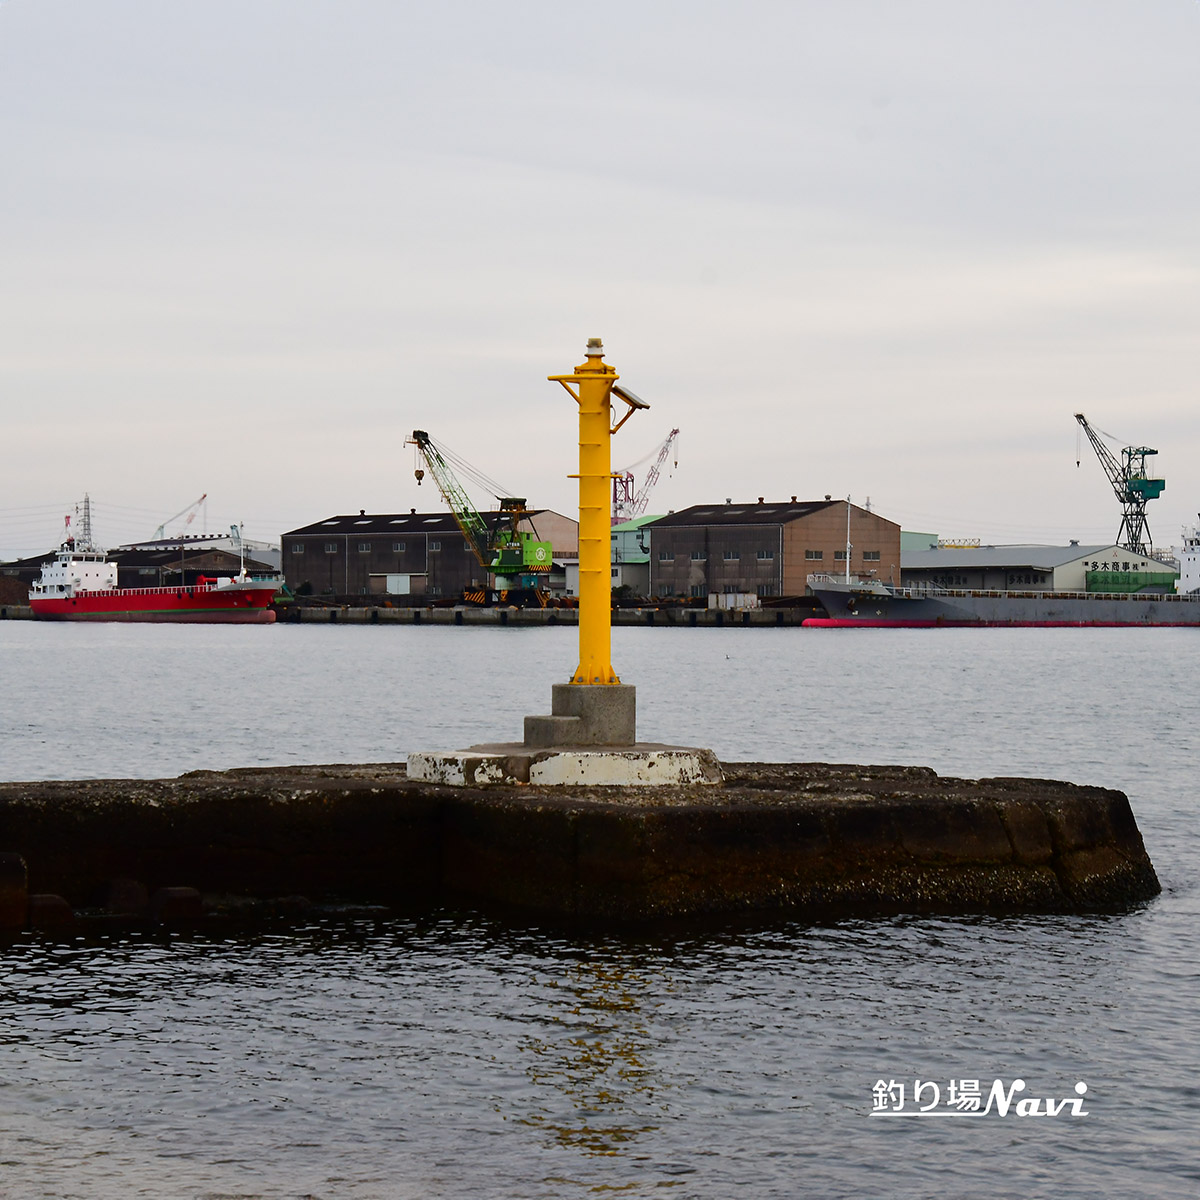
column 148, row 591
column 168, row 589
column 918, row 590
column 819, row 579
column 924, row 589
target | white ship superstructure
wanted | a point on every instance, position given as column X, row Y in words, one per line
column 75, row 571
column 1189, row 561
column 79, row 566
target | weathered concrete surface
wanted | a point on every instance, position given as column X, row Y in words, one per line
column 809, row 840
column 505, row 764
column 586, row 715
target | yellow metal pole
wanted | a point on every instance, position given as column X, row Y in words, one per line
column 593, row 382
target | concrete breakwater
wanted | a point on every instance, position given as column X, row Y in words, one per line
column 814, row 841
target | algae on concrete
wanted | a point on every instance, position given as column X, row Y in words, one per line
column 810, row 840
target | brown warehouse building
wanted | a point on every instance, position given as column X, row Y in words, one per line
column 400, row 554
column 767, row 549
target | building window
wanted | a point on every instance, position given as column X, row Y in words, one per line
column 698, row 556
column 699, row 589
column 731, row 556
column 615, row 572
column 665, row 556
column 839, row 556
column 766, row 589
column 765, row 554
column 870, row 556
column 297, row 548
column 665, row 589
column 435, row 545
column 397, row 547
column 364, row 547
column 331, row 547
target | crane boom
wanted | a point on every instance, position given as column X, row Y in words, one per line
column 507, row 552
column 472, row 524
column 626, row 503
column 1131, row 486
column 190, row 512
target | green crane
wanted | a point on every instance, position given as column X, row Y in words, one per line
column 1131, row 485
column 515, row 556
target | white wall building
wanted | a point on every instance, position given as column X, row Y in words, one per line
column 1072, row 568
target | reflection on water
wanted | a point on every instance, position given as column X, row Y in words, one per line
column 599, row 1055
column 454, row 1056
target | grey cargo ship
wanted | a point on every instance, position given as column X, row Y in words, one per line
column 871, row 603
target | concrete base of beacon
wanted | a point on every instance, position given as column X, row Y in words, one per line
column 589, row 738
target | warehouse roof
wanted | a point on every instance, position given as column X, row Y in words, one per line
column 762, row 513
column 635, row 523
column 195, row 558
column 409, row 522
column 1046, row 558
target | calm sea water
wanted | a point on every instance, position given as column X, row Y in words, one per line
column 456, row 1056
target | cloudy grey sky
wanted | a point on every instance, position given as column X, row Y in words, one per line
column 873, row 247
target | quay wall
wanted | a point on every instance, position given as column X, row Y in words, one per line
column 523, row 617
column 466, row 615
column 811, row 841
column 670, row 617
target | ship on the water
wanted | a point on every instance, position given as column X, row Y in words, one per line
column 80, row 584
column 870, row 603
column 1189, row 562
column 961, row 583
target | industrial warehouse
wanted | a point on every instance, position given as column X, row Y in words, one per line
column 724, row 556
column 755, row 551
column 420, row 555
column 1073, row 568
column 830, row 560
column 761, row 550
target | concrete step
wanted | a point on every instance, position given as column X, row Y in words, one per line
column 554, row 731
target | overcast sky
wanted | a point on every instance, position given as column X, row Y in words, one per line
column 883, row 249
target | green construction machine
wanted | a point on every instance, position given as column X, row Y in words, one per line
column 515, row 556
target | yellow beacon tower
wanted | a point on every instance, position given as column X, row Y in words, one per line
column 589, row 737
column 593, row 386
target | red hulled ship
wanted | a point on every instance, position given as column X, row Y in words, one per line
column 81, row 585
